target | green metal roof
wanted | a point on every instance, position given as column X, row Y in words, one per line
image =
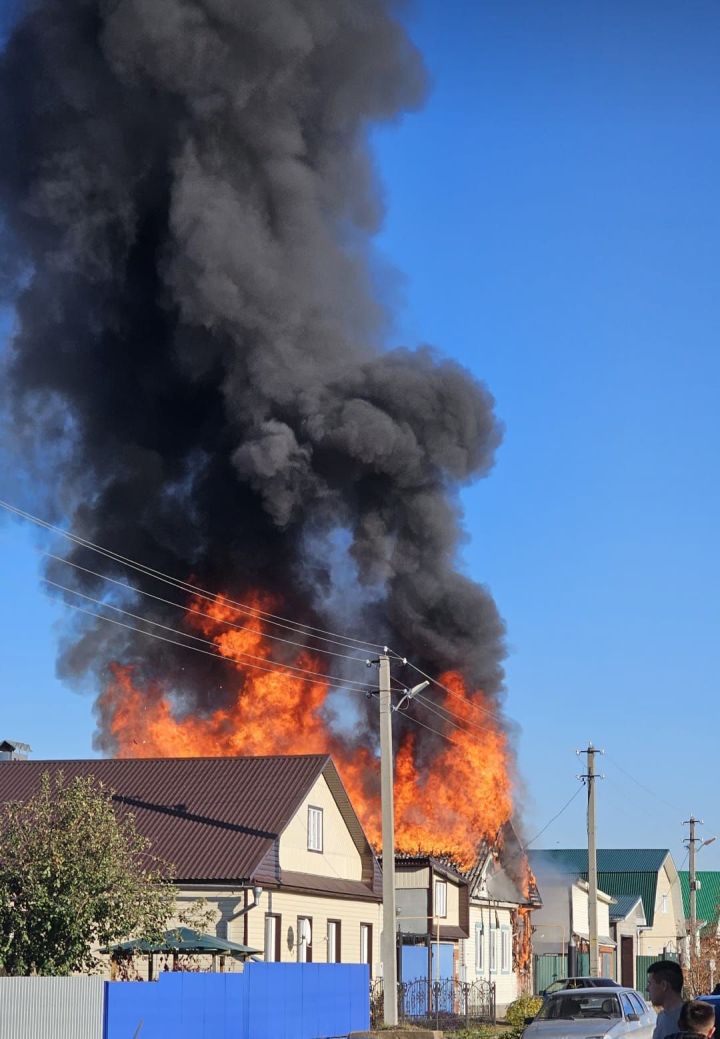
column 708, row 897
column 621, row 871
column 623, row 905
column 609, row 860
column 181, row 940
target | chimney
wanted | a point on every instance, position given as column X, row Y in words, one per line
column 12, row 750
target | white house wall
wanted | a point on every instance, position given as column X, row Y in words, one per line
column 484, row 931
column 339, row 857
column 552, row 919
column 664, row 931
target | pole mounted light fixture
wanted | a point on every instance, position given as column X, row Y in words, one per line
column 409, row 694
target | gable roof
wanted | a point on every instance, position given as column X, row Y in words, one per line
column 624, row 905
column 708, row 895
column 621, row 871
column 214, row 819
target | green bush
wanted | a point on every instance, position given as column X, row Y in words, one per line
column 526, row 1006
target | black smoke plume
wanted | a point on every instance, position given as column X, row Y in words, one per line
column 199, row 374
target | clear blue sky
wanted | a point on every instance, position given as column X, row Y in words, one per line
column 554, row 211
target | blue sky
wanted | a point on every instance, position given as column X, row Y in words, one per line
column 553, row 211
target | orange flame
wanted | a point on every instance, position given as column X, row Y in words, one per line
column 446, row 805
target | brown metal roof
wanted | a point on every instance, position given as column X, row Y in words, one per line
column 214, row 819
column 338, row 886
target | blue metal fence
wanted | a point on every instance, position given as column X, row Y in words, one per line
column 266, row 1001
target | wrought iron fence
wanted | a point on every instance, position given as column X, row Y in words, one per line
column 444, row 1003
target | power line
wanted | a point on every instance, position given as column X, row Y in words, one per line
column 416, row 721
column 195, row 638
column 451, row 692
column 270, row 618
column 556, row 816
column 647, row 789
column 320, row 680
column 199, row 613
column 453, row 719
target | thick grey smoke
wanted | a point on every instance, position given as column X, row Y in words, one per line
column 199, row 373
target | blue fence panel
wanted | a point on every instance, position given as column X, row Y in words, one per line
column 266, row 1001
column 185, row 1006
column 306, row 1001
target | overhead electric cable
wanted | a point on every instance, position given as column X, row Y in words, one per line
column 278, row 670
column 556, row 816
column 647, row 789
column 199, row 613
column 451, row 692
column 453, row 719
column 195, row 638
column 270, row 618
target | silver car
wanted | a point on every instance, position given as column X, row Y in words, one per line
column 593, row 1013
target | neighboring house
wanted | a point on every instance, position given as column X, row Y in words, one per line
column 272, row 844
column 627, row 924
column 433, row 918
column 707, row 899
column 562, row 924
column 503, row 894
column 646, row 873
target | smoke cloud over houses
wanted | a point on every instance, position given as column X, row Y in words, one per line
column 200, row 376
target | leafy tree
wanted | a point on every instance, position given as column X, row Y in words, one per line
column 74, row 875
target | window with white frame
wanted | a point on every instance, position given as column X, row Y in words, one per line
column 479, row 949
column 304, row 939
column 663, row 903
column 333, row 941
column 365, row 943
column 492, row 936
column 315, row 829
column 505, row 950
column 272, row 937
column 440, row 898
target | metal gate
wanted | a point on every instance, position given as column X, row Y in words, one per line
column 442, row 1004
column 548, row 968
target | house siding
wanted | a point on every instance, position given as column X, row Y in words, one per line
column 663, row 935
column 289, row 906
column 506, row 982
column 411, row 876
column 339, row 857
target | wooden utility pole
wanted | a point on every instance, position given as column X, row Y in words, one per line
column 693, row 884
column 594, row 944
column 389, row 946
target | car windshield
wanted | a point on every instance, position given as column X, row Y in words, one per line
column 565, row 983
column 579, row 1007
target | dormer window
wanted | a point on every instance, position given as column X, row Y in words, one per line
column 315, row 829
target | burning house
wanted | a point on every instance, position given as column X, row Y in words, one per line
column 201, row 379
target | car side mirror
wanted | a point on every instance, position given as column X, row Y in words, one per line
column 633, row 1017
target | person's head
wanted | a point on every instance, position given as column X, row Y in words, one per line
column 697, row 1018
column 664, row 982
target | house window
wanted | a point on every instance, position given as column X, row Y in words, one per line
column 663, row 903
column 505, row 950
column 315, row 829
column 366, row 943
column 493, row 949
column 440, row 898
column 304, row 939
column 333, row 941
column 479, row 950
column 272, row 938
